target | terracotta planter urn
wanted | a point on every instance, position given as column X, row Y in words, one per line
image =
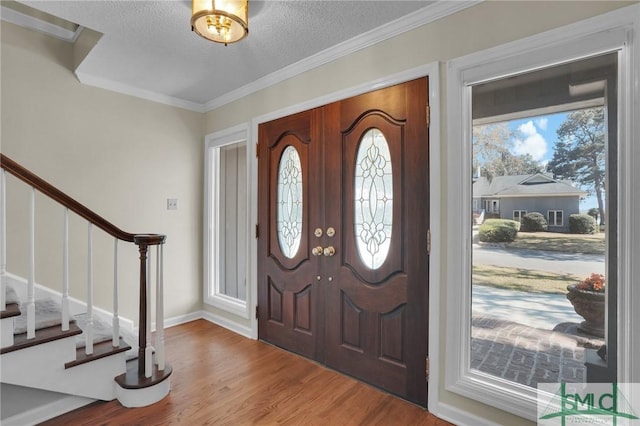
column 590, row 305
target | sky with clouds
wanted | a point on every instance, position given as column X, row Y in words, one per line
column 538, row 136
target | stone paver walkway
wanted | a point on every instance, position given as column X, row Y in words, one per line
column 529, row 355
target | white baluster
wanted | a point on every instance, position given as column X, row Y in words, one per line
column 89, row 331
column 148, row 353
column 116, row 319
column 31, row 298
column 3, row 241
column 159, row 345
column 65, row 271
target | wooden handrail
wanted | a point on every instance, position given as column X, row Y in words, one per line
column 49, row 190
column 143, row 241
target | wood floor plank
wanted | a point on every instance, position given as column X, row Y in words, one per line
column 221, row 378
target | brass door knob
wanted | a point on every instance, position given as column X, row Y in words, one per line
column 317, row 251
column 329, row 251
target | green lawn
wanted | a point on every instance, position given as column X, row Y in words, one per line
column 553, row 241
column 522, row 279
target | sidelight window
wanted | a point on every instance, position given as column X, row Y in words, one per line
column 227, row 237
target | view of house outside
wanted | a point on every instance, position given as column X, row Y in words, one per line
column 537, row 216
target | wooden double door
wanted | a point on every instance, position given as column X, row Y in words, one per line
column 342, row 248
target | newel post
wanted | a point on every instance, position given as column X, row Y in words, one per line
column 143, row 242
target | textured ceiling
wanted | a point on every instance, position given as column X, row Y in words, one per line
column 148, row 46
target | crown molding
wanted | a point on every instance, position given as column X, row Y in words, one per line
column 39, row 25
column 114, row 86
column 431, row 13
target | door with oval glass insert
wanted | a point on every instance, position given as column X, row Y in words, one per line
column 364, row 293
column 288, row 201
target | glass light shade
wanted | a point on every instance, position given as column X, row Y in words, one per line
column 222, row 21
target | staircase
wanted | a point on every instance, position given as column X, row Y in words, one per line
column 52, row 342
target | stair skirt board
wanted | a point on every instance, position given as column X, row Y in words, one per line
column 28, row 406
column 75, row 306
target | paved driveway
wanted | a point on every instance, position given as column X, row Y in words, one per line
column 538, row 310
column 539, row 260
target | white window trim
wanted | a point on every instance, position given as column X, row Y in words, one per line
column 555, row 218
column 241, row 308
column 614, row 31
column 520, row 214
column 492, row 205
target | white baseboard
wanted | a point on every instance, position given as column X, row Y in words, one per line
column 457, row 416
column 211, row 317
column 226, row 323
column 181, row 319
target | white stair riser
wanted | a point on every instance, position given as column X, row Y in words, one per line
column 42, row 367
column 142, row 397
column 6, row 332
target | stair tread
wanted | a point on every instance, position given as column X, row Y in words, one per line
column 12, row 310
column 102, row 332
column 43, row 335
column 132, row 379
column 100, row 350
column 48, row 314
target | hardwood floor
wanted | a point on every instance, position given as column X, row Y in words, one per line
column 221, row 378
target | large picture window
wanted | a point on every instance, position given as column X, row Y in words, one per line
column 528, row 174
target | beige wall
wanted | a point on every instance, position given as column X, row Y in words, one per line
column 119, row 155
column 483, row 26
column 124, row 156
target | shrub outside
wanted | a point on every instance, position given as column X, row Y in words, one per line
column 498, row 230
column 533, row 222
column 582, row 224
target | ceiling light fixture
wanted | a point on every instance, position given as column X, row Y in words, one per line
column 222, row 21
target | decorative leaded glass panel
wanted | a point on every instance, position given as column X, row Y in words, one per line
column 289, row 202
column 373, row 199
